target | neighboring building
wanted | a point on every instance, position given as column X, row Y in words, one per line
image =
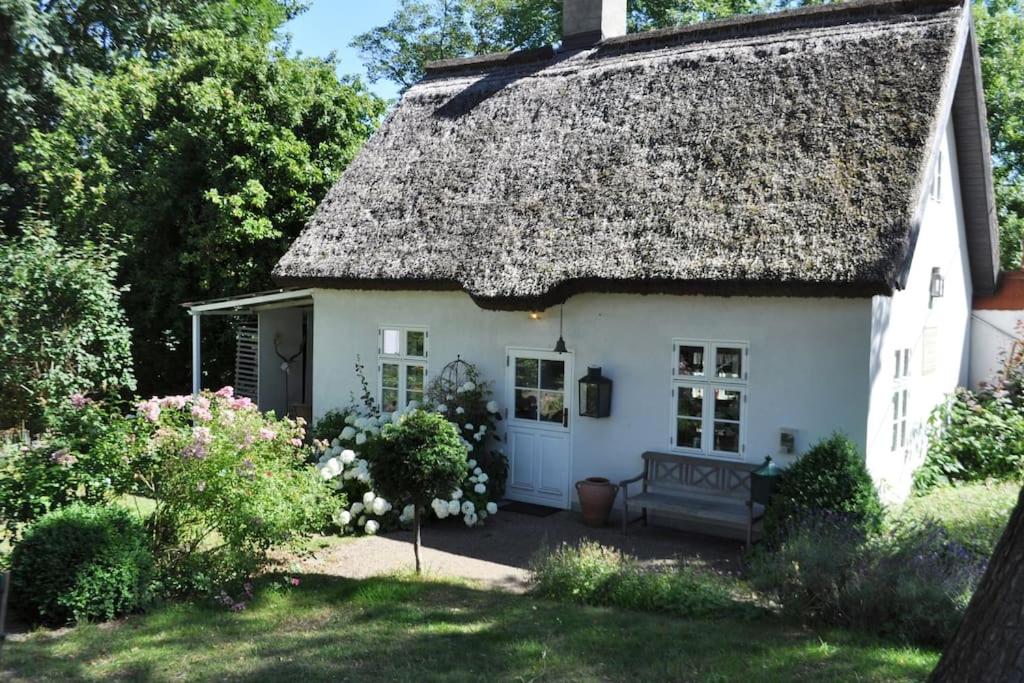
column 996, row 327
column 763, row 229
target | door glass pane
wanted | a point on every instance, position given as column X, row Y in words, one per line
column 416, row 343
column 411, row 396
column 389, row 375
column 688, row 433
column 414, row 378
column 552, row 374
column 526, row 404
column 691, row 361
column 527, row 372
column 727, row 437
column 389, row 400
column 551, row 405
column 727, row 404
column 691, row 402
column 728, row 362
column 390, row 345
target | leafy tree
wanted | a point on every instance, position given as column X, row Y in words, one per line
column 421, row 458
column 202, row 168
column 62, row 330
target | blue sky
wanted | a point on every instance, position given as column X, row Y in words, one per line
column 330, row 25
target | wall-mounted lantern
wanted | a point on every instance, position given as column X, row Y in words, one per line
column 595, row 394
column 937, row 287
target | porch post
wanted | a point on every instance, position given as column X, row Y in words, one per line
column 196, row 354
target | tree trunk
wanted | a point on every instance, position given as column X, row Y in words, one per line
column 416, row 535
column 989, row 645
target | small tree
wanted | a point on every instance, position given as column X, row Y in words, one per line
column 417, row 460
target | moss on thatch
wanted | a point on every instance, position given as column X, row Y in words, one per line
column 782, row 160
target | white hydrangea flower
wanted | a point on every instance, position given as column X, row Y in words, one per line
column 482, row 477
column 492, row 407
column 441, row 510
column 361, row 521
column 413, row 405
column 372, row 526
column 471, row 519
column 471, row 464
column 442, row 408
column 396, row 417
column 350, row 419
column 477, row 470
column 342, row 517
column 356, row 508
column 335, row 443
column 483, row 429
column 380, row 506
column 468, row 507
column 469, row 426
column 460, row 410
column 453, row 507
column 473, row 479
column 480, row 488
column 368, row 498
column 409, row 511
column 360, row 438
column 348, row 433
column 492, row 508
column 478, row 436
column 456, row 494
column 347, row 456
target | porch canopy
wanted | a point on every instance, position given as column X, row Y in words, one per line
column 243, row 304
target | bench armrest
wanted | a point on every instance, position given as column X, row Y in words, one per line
column 625, row 482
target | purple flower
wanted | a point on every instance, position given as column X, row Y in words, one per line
column 238, row 607
column 63, row 458
column 79, row 401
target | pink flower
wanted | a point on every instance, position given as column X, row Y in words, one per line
column 225, row 392
column 150, row 409
column 79, row 401
column 227, row 416
column 202, row 414
column 296, row 442
column 295, row 581
column 174, row 402
column 240, row 403
column 63, row 458
column 267, row 434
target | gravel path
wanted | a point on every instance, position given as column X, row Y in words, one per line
column 498, row 555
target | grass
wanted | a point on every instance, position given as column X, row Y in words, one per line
column 404, row 629
column 973, row 514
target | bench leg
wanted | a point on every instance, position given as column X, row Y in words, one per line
column 625, row 517
column 750, row 525
column 645, row 517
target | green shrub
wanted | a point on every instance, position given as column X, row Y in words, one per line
column 974, row 437
column 592, row 574
column 831, row 477
column 82, row 562
column 911, row 583
column 974, row 515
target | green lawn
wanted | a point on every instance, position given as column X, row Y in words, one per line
column 390, row 629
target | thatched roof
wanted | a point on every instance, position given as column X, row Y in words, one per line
column 774, row 154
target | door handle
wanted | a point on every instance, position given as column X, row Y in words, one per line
column 565, row 417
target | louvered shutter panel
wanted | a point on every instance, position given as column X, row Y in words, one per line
column 247, row 360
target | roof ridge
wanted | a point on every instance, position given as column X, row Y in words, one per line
column 713, row 30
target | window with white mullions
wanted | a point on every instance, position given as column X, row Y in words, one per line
column 709, row 394
column 402, row 366
column 900, row 397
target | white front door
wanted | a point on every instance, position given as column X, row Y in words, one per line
column 539, row 423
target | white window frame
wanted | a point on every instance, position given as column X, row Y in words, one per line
column 935, row 190
column 709, row 384
column 403, row 360
column 900, row 396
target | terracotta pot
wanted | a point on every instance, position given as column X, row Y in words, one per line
column 597, row 495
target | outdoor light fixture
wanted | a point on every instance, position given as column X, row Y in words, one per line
column 595, row 394
column 536, row 315
column 938, row 284
column 560, row 344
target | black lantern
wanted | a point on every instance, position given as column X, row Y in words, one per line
column 762, row 481
column 595, row 394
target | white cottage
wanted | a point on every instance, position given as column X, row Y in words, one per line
column 762, row 230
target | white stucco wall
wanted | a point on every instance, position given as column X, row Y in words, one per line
column 901, row 321
column 808, row 360
column 285, row 326
column 992, row 334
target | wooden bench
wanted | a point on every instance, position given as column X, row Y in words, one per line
column 695, row 488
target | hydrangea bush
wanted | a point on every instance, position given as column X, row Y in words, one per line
column 466, row 405
column 229, row 483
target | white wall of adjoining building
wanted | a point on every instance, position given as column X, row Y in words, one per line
column 280, row 330
column 992, row 335
column 808, row 360
column 937, row 332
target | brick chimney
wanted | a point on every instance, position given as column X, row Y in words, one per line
column 587, row 22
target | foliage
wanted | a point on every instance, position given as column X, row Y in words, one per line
column 592, row 574
column 396, row 629
column 974, row 515
column 911, row 583
column 229, row 483
column 973, row 437
column 830, row 477
column 418, row 458
column 201, row 166
column 62, row 330
column 346, row 458
column 82, row 562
